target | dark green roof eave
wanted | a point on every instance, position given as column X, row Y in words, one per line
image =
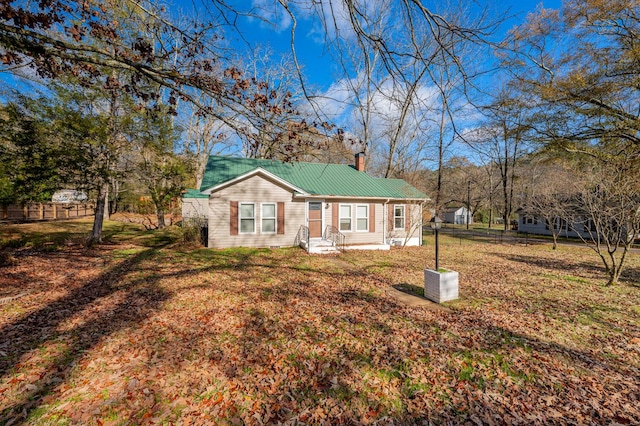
column 194, row 193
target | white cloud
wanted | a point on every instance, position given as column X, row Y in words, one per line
column 339, row 105
column 329, row 19
column 270, row 15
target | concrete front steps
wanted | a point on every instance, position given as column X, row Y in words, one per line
column 322, row 246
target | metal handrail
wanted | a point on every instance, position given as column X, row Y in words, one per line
column 302, row 236
column 331, row 233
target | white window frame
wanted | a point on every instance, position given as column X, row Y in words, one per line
column 366, row 206
column 562, row 224
column 240, row 231
column 404, row 216
column 589, row 226
column 274, row 218
column 340, row 217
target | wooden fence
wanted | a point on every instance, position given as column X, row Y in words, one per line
column 44, row 211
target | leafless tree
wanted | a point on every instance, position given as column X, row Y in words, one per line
column 545, row 192
column 607, row 209
column 204, row 135
column 502, row 141
column 392, row 57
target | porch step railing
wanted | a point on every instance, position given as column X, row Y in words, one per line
column 332, row 234
column 303, row 237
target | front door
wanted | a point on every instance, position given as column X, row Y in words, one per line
column 315, row 219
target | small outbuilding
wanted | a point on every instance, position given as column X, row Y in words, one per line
column 457, row 216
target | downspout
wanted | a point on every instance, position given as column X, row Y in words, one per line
column 420, row 225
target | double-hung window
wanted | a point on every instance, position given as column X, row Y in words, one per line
column 398, row 217
column 268, row 218
column 362, row 218
column 345, row 217
column 589, row 225
column 247, row 218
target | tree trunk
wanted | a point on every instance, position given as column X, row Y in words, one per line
column 440, row 157
column 158, row 203
column 100, row 212
column 201, row 166
column 113, row 206
column 106, row 203
column 614, row 268
column 160, row 214
column 505, row 210
column 490, row 215
column 490, row 202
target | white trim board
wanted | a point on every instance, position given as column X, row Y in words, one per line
column 254, row 172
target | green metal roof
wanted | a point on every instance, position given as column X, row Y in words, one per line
column 194, row 193
column 313, row 178
column 402, row 188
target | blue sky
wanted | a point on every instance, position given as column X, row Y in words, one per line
column 313, row 53
column 317, row 61
column 333, row 95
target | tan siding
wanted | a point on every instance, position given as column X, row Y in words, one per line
column 194, row 207
column 408, row 222
column 360, row 237
column 413, row 217
column 258, row 190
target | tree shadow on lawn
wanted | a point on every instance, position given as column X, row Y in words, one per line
column 555, row 264
column 366, row 310
column 301, row 288
column 630, row 275
column 410, row 289
column 556, row 301
column 38, row 329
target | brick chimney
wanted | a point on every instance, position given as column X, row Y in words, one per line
column 360, row 161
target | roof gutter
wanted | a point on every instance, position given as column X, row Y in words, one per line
column 361, row 197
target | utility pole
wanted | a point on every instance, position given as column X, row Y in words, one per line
column 468, row 201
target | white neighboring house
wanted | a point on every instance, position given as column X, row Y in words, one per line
column 536, row 225
column 68, row 196
column 457, row 215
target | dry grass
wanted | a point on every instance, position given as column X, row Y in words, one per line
column 142, row 330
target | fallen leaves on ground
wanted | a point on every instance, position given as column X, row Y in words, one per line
column 125, row 334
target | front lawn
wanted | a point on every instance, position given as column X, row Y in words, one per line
column 144, row 329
